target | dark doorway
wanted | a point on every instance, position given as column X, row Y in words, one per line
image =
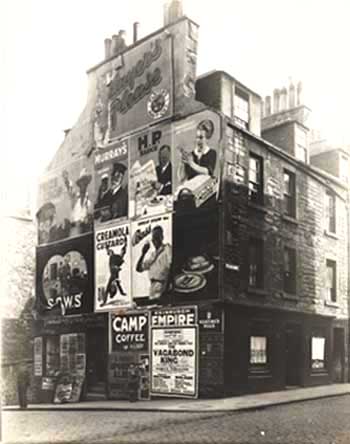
column 96, row 365
column 293, row 354
column 338, row 355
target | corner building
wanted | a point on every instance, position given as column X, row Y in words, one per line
column 174, row 236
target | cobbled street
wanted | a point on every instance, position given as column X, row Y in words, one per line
column 324, row 421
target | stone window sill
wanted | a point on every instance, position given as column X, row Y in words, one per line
column 257, row 206
column 330, row 234
column 289, row 296
column 257, row 291
column 290, row 219
column 331, row 304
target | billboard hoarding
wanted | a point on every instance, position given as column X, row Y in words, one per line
column 151, row 172
column 112, row 267
column 111, row 181
column 151, row 257
column 64, row 277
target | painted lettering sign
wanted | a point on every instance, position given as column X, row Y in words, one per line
column 129, row 332
column 64, row 283
column 136, row 91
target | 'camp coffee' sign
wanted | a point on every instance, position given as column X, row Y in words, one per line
column 129, row 332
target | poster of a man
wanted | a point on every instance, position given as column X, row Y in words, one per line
column 151, row 173
column 65, row 203
column 152, row 258
column 112, row 196
column 112, row 267
column 196, row 165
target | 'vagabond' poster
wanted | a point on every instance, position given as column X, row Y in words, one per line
column 112, row 259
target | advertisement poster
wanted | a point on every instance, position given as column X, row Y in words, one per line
column 118, row 365
column 151, row 172
column 196, row 256
column 111, row 183
column 174, row 352
column 65, row 202
column 112, row 259
column 136, row 91
column 64, row 277
column 129, row 332
column 151, row 258
column 196, row 161
column 38, row 356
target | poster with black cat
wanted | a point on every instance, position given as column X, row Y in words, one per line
column 112, row 270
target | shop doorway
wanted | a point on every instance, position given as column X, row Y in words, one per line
column 96, row 365
column 293, row 354
column 338, row 355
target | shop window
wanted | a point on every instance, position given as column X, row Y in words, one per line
column 256, row 185
column 331, row 284
column 258, row 352
column 330, row 212
column 52, row 355
column 256, row 261
column 289, row 197
column 318, row 345
column 289, row 270
column 241, row 108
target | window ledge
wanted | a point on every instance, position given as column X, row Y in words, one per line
column 257, row 206
column 257, row 291
column 331, row 304
column 290, row 219
column 330, row 234
column 290, row 296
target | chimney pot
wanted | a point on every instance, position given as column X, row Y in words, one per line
column 267, row 105
column 135, row 31
column 291, row 95
column 276, row 100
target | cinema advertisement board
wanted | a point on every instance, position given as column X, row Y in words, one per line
column 174, row 352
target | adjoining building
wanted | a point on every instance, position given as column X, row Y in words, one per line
column 180, row 231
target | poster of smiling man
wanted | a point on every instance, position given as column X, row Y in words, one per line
column 112, row 265
column 64, row 283
column 196, row 161
column 151, row 259
column 151, row 172
column 111, row 169
column 65, row 202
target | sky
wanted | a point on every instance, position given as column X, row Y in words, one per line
column 46, row 47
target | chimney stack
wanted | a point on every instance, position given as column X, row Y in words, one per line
column 135, row 31
column 291, row 95
column 283, row 99
column 299, row 93
column 108, row 47
column 173, row 10
column 114, row 45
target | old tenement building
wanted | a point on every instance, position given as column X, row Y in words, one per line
column 181, row 231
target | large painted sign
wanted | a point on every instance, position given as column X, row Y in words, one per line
column 174, row 352
column 151, row 257
column 196, row 161
column 136, row 91
column 111, row 182
column 64, row 277
column 151, row 172
column 65, row 202
column 129, row 332
column 112, row 267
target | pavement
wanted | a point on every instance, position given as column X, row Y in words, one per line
column 236, row 403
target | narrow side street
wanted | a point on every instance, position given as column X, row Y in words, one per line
column 324, row 421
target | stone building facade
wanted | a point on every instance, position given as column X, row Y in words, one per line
column 174, row 234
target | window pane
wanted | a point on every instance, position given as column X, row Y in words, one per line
column 258, row 350
column 318, row 352
column 52, row 355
